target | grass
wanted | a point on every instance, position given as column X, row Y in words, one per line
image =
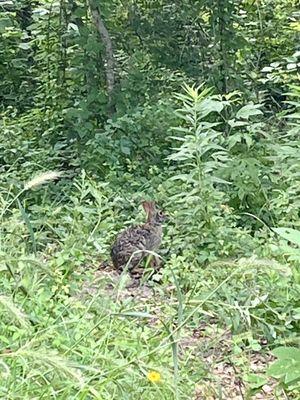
column 69, row 330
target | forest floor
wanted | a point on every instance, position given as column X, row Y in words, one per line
column 71, row 327
column 225, row 370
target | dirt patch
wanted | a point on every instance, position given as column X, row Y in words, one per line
column 115, row 285
column 226, row 381
column 226, row 373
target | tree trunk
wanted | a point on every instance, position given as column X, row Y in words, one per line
column 223, row 56
column 109, row 54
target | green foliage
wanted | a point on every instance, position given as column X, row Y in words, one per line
column 285, row 159
column 201, row 155
column 289, row 234
column 221, row 157
column 287, row 367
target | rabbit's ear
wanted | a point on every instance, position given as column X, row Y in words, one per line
column 145, row 205
column 152, row 205
column 149, row 208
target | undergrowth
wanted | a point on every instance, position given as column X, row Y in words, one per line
column 228, row 292
column 59, row 340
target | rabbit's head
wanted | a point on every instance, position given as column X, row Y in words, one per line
column 154, row 215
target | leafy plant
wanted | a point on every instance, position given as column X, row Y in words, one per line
column 222, row 163
column 204, row 157
column 287, row 367
column 292, row 235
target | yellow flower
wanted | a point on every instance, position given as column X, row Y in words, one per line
column 154, row 376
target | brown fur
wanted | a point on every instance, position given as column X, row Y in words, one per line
column 131, row 245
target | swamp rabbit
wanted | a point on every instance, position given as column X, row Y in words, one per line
column 133, row 244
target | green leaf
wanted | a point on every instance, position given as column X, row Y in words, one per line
column 292, row 235
column 293, row 374
column 255, row 381
column 135, row 314
column 296, row 313
column 28, row 224
column 267, row 69
column 279, row 368
column 288, row 366
column 208, row 106
column 248, row 140
column 249, row 110
column 234, row 123
column 24, row 46
column 125, row 146
column 283, row 353
column 293, row 116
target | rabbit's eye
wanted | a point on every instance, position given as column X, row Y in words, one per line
column 160, row 215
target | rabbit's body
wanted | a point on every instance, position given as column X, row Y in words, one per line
column 134, row 244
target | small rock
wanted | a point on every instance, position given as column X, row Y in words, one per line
column 267, row 389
